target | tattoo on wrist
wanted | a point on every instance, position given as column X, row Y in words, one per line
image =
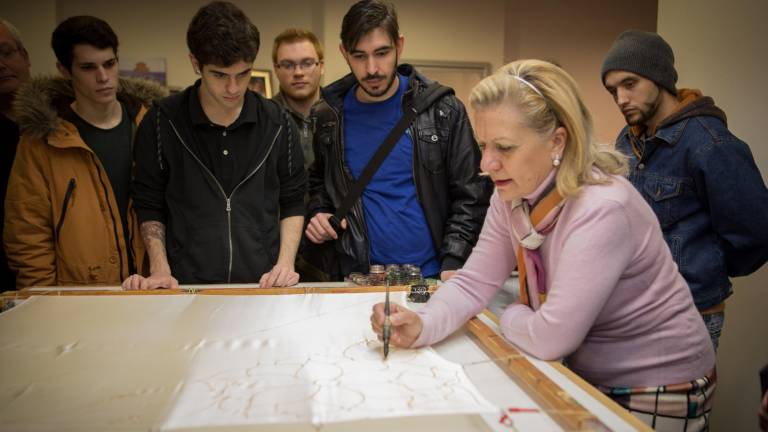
column 153, row 230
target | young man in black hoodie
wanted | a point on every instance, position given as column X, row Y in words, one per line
column 219, row 179
column 699, row 179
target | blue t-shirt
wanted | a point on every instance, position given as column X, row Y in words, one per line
column 397, row 228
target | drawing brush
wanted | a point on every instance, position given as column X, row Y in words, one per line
column 387, row 324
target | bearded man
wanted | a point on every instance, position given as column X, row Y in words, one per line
column 426, row 203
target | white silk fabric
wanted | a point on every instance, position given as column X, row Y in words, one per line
column 181, row 362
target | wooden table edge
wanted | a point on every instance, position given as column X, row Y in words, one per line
column 588, row 388
column 562, row 418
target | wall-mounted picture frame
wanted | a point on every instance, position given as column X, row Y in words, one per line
column 261, row 82
column 140, row 67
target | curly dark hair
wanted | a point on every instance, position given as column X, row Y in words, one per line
column 367, row 15
column 221, row 34
column 81, row 29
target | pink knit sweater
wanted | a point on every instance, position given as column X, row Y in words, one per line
column 617, row 308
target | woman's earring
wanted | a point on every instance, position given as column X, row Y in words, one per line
column 556, row 161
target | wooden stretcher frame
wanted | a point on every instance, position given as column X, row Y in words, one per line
column 551, row 398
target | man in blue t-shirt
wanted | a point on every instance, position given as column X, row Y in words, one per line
column 426, row 203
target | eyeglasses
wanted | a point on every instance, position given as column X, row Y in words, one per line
column 305, row 65
column 7, row 53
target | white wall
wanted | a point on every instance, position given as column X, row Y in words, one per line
column 433, row 29
column 720, row 48
column 150, row 28
column 576, row 35
column 35, row 19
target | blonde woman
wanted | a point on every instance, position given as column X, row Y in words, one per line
column 598, row 284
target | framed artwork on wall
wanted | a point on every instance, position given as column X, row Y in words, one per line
column 261, row 82
column 147, row 68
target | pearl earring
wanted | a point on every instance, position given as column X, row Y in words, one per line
column 556, row 161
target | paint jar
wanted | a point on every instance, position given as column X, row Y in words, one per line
column 412, row 274
column 377, row 274
column 396, row 274
column 361, row 280
column 355, row 277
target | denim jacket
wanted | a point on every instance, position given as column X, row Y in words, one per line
column 707, row 192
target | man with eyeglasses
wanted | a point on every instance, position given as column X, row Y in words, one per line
column 219, row 178
column 426, row 203
column 14, row 71
column 298, row 60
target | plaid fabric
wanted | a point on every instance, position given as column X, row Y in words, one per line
column 679, row 407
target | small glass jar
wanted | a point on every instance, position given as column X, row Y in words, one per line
column 354, row 277
column 362, row 280
column 377, row 274
column 413, row 275
column 395, row 274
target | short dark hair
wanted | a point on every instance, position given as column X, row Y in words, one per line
column 221, row 34
column 81, row 30
column 367, row 15
column 294, row 34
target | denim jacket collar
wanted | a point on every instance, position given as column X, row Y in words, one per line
column 671, row 134
column 692, row 104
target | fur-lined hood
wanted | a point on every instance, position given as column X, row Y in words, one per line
column 40, row 102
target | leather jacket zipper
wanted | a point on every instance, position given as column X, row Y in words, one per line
column 67, row 196
column 416, row 159
column 357, row 208
column 227, row 198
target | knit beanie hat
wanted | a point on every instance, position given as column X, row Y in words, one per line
column 645, row 54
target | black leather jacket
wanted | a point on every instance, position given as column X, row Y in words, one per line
column 446, row 162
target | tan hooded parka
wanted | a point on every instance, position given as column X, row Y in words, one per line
column 62, row 223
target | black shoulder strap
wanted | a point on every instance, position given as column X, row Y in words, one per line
column 420, row 103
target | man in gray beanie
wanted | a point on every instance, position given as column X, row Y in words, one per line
column 645, row 54
column 700, row 180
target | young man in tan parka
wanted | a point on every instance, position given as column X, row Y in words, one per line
column 68, row 216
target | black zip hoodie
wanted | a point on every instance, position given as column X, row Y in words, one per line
column 212, row 236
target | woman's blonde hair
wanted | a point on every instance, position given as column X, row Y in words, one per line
column 547, row 97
